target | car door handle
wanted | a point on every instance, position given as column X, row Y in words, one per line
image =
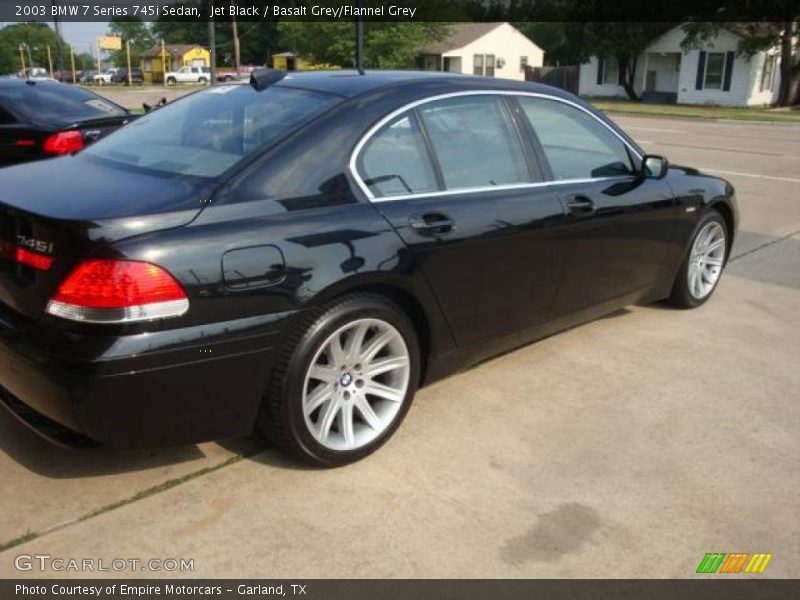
column 580, row 205
column 433, row 223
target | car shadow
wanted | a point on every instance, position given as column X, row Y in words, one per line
column 48, row 460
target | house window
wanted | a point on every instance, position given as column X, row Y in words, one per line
column 768, row 74
column 611, row 74
column 523, row 62
column 477, row 68
column 483, row 64
column 715, row 69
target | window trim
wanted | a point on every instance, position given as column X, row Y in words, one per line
column 353, row 162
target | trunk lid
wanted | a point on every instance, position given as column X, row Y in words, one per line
column 55, row 213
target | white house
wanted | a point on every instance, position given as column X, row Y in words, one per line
column 489, row 49
column 712, row 74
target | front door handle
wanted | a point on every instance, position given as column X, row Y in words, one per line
column 433, row 223
column 580, row 205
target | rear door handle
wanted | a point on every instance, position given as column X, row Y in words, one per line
column 432, row 223
column 580, row 205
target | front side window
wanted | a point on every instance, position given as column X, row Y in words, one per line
column 715, row 66
column 395, row 161
column 576, row 145
column 208, row 132
column 474, row 141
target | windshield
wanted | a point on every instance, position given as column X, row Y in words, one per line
column 210, row 131
column 57, row 102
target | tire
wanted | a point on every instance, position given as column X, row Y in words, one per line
column 171, row 81
column 688, row 291
column 297, row 405
column 203, row 80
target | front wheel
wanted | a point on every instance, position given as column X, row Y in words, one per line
column 343, row 385
column 171, row 81
column 703, row 264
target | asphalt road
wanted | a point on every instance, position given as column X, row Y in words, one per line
column 628, row 447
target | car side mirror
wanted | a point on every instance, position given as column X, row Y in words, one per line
column 654, row 166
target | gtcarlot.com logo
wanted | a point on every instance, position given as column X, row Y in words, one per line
column 735, row 562
column 46, row 562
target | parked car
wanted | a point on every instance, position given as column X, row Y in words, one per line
column 68, row 76
column 42, row 119
column 121, row 76
column 300, row 254
column 86, row 77
column 104, row 77
column 226, row 74
column 188, row 75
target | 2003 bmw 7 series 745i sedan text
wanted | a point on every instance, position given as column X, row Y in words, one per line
column 297, row 255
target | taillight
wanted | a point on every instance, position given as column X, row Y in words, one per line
column 63, row 142
column 118, row 291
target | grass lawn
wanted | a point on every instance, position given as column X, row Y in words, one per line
column 690, row 110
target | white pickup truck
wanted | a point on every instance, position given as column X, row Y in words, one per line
column 188, row 75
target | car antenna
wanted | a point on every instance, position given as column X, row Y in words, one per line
column 359, row 41
column 263, row 78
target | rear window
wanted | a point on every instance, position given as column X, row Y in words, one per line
column 57, row 103
column 210, row 131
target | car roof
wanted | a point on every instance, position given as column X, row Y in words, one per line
column 350, row 83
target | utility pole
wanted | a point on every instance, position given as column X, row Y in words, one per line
column 72, row 62
column 50, row 60
column 22, row 58
column 236, row 48
column 163, row 62
column 212, row 42
column 128, row 51
column 59, row 65
column 30, row 58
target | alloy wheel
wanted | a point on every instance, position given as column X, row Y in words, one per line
column 706, row 260
column 356, row 384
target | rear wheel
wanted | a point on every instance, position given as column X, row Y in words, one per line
column 703, row 264
column 344, row 383
column 171, row 81
column 203, row 80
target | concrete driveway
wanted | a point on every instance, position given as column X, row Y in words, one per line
column 628, row 447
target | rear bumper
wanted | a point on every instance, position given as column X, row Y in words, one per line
column 146, row 390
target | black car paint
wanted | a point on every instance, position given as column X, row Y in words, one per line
column 37, row 128
column 289, row 230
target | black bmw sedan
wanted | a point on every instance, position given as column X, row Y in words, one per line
column 42, row 119
column 299, row 254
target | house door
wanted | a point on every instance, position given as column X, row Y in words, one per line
column 650, row 82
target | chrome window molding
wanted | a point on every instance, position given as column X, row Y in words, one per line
column 353, row 165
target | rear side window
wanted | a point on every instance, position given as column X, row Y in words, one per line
column 576, row 145
column 57, row 103
column 475, row 142
column 395, row 161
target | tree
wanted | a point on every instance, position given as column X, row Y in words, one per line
column 553, row 38
column 37, row 36
column 387, row 45
column 133, row 30
column 758, row 36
